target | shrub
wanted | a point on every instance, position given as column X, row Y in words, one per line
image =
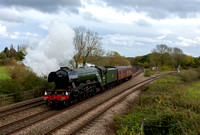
column 147, row 73
column 18, row 97
column 189, row 75
column 3, row 55
column 17, row 71
column 165, row 68
column 22, row 80
column 146, row 65
column 7, row 62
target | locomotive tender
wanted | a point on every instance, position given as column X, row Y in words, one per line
column 73, row 85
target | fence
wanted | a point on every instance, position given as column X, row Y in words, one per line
column 10, row 98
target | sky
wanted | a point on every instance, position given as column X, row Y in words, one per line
column 130, row 27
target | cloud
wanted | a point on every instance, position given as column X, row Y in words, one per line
column 88, row 16
column 161, row 37
column 127, row 40
column 187, row 42
column 49, row 6
column 158, row 9
column 14, row 35
column 10, row 15
column 3, row 31
column 143, row 23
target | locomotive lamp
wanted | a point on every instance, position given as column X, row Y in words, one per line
column 66, row 93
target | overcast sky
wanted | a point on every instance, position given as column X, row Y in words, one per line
column 130, row 27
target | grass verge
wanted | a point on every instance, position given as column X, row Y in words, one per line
column 168, row 106
column 4, row 73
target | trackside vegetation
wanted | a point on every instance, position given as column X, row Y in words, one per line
column 4, row 74
column 19, row 78
column 168, row 106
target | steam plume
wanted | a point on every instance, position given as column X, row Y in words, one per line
column 51, row 51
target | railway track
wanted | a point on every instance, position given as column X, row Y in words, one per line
column 20, row 106
column 76, row 124
column 24, row 123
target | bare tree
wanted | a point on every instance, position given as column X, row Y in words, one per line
column 79, row 44
column 161, row 49
column 86, row 42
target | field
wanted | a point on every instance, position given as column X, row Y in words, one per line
column 4, row 73
column 168, row 106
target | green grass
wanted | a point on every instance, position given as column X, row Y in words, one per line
column 169, row 106
column 147, row 73
column 4, row 74
column 192, row 91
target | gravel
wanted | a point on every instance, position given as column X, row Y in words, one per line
column 22, row 114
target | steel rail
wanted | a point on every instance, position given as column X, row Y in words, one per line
column 99, row 113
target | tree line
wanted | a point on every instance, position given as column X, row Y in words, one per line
column 164, row 56
column 12, row 53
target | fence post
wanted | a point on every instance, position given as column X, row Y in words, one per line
column 33, row 93
column 142, row 127
column 4, row 99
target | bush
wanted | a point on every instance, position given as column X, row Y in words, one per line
column 3, row 55
column 19, row 56
column 147, row 73
column 189, row 75
column 17, row 72
column 165, row 68
column 7, row 62
column 18, row 97
column 22, row 80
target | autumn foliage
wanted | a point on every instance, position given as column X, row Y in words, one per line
column 111, row 59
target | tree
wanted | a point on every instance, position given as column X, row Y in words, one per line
column 178, row 57
column 163, row 55
column 3, row 55
column 7, row 52
column 86, row 43
column 115, row 59
column 196, row 62
column 19, row 56
column 12, row 52
column 161, row 49
column 155, row 59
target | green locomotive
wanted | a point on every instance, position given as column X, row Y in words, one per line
column 72, row 85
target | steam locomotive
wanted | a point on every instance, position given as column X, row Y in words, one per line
column 73, row 85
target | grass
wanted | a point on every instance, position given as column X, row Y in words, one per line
column 168, row 106
column 147, row 73
column 4, row 74
column 192, row 91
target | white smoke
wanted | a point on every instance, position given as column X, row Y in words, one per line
column 51, row 51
